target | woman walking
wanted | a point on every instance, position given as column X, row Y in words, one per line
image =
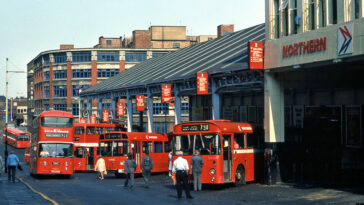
column 100, row 167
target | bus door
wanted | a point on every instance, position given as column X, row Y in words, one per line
column 90, row 157
column 135, row 150
column 227, row 157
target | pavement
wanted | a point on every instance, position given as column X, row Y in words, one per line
column 18, row 192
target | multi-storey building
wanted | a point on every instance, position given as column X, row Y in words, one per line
column 314, row 93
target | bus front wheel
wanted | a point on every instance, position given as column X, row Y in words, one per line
column 240, row 176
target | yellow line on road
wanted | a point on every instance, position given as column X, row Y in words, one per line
column 40, row 193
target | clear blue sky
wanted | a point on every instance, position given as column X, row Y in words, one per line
column 28, row 27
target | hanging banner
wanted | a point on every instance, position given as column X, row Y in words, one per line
column 120, row 109
column 166, row 93
column 105, row 115
column 140, row 102
column 82, row 120
column 93, row 118
column 256, row 55
column 202, row 84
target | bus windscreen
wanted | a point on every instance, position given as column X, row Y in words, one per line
column 207, row 144
column 55, row 150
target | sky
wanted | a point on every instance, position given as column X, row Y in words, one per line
column 28, row 27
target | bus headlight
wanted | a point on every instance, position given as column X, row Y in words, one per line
column 66, row 168
column 66, row 163
column 212, row 179
column 121, row 163
column 212, row 171
column 45, row 163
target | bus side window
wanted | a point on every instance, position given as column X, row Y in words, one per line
column 239, row 141
column 158, row 147
column 147, row 146
column 252, row 141
column 167, row 147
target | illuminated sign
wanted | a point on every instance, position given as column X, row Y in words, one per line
column 304, row 47
column 256, row 55
column 191, row 128
column 166, row 93
column 202, row 84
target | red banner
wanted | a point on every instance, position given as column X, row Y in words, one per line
column 93, row 118
column 105, row 115
column 202, row 84
column 140, row 102
column 166, row 93
column 120, row 109
column 256, row 54
column 82, row 120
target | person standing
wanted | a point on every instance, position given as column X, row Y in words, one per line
column 12, row 161
column 147, row 166
column 180, row 168
column 196, row 164
column 129, row 166
column 100, row 167
column 170, row 163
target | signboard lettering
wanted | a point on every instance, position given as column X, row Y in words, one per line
column 189, row 128
column 304, row 47
column 202, row 84
column 166, row 93
column 120, row 109
column 140, row 102
column 256, row 54
column 93, row 118
column 105, row 115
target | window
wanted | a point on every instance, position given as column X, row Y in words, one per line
column 57, row 121
column 81, row 73
column 90, row 130
column 239, row 141
column 357, row 9
column 46, row 91
column 76, row 89
column 108, row 42
column 158, row 147
column 62, row 107
column 322, row 11
column 107, row 73
column 60, row 58
column 167, row 147
column 59, row 74
column 79, row 152
column 55, row 150
column 108, row 56
column 46, row 60
column 161, row 127
column 185, row 108
column 59, row 91
column 156, row 54
column 114, row 148
column 334, row 11
column 176, row 45
column 147, row 146
column 135, row 57
column 75, row 109
column 160, row 109
column 79, row 57
column 79, row 130
column 311, row 14
column 46, row 75
column 46, row 106
column 293, row 16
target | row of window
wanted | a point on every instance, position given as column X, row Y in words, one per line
column 60, row 74
column 76, row 89
column 107, row 73
column 82, row 73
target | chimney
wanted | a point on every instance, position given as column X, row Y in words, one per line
column 223, row 30
column 66, row 46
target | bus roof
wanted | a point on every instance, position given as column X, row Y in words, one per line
column 56, row 113
column 16, row 131
column 140, row 136
column 96, row 125
column 214, row 126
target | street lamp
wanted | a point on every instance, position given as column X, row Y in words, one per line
column 79, row 105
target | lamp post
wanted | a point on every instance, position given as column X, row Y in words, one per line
column 79, row 105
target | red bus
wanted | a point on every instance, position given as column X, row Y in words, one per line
column 230, row 151
column 115, row 146
column 27, row 154
column 51, row 150
column 16, row 138
column 86, row 141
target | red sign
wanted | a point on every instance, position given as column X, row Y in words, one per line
column 105, row 115
column 120, row 109
column 304, row 47
column 256, row 54
column 93, row 118
column 82, row 120
column 166, row 93
column 202, row 84
column 140, row 102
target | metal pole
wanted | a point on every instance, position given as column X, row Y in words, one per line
column 11, row 109
column 79, row 105
column 6, row 117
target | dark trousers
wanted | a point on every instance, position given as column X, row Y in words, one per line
column 146, row 176
column 181, row 176
column 11, row 173
column 131, row 177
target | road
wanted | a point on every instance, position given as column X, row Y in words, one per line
column 85, row 188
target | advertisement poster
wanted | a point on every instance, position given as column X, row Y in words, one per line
column 82, row 120
column 202, row 84
column 256, row 55
column 120, row 109
column 140, row 102
column 93, row 118
column 166, row 93
column 105, row 115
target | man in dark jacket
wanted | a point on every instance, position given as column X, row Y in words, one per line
column 147, row 166
column 197, row 163
column 129, row 166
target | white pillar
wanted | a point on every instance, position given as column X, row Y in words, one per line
column 129, row 112
column 215, row 101
column 177, row 105
column 273, row 108
column 150, row 112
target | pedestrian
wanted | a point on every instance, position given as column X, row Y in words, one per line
column 170, row 163
column 12, row 161
column 196, row 166
column 180, row 167
column 130, row 166
column 147, row 166
column 1, row 165
column 100, row 167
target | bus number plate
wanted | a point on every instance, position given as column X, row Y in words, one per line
column 188, row 128
column 55, row 163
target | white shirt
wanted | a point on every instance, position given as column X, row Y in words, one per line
column 180, row 164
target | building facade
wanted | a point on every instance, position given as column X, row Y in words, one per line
column 314, row 93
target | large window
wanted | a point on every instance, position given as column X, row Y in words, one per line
column 59, row 74
column 46, row 75
column 156, row 54
column 312, row 14
column 160, row 109
column 60, row 58
column 207, row 144
column 79, row 130
column 81, row 73
column 185, row 109
column 107, row 73
column 80, row 57
column 75, row 109
column 46, row 91
column 148, row 146
column 76, row 89
column 161, row 127
column 158, row 147
column 61, row 107
column 108, row 56
column 53, row 150
column 135, row 57
column 114, row 148
column 57, row 122
column 59, row 91
column 46, row 60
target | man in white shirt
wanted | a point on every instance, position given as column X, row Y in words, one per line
column 180, row 168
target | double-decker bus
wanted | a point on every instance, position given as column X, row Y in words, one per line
column 230, row 151
column 115, row 146
column 51, row 150
column 16, row 138
column 86, row 141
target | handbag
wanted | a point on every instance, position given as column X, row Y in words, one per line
column 19, row 167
